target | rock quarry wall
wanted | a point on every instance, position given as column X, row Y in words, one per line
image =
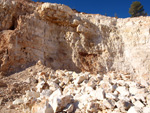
column 64, row 39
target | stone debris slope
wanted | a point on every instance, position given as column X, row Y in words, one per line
column 68, row 92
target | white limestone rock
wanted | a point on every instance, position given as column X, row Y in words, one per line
column 52, row 85
column 146, row 110
column 40, row 86
column 98, row 94
column 42, row 107
column 111, row 96
column 46, row 93
column 109, row 104
column 18, row 101
column 134, row 110
column 58, row 103
column 138, row 104
column 133, row 90
column 123, row 91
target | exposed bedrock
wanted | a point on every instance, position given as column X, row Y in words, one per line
column 63, row 39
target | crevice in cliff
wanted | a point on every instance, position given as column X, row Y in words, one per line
column 14, row 24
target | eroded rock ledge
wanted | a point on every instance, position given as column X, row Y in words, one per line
column 63, row 39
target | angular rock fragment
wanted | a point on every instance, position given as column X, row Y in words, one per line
column 134, row 110
column 92, row 107
column 123, row 91
column 123, row 105
column 109, row 104
column 138, row 104
column 42, row 107
column 69, row 108
column 80, row 79
column 98, row 94
column 18, row 101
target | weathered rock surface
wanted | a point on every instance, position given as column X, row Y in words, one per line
column 96, row 63
column 63, row 39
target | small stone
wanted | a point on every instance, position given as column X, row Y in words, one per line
column 123, row 91
column 1, row 99
column 133, row 90
column 66, row 80
column 110, row 104
column 98, row 94
column 138, row 104
column 55, row 94
column 91, row 83
column 140, row 97
column 121, row 82
column 69, row 108
column 18, row 101
column 80, row 79
column 45, row 93
column 42, row 107
column 143, row 82
column 11, row 107
column 28, row 80
column 111, row 96
column 92, row 107
column 60, row 103
column 134, row 110
column 70, row 89
column 52, row 85
column 123, row 105
column 40, row 86
column 2, row 84
column 39, row 63
column 32, row 94
column 148, row 99
column 146, row 110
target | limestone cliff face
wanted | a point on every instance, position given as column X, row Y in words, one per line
column 63, row 39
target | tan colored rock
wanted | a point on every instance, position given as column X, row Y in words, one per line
column 42, row 107
column 18, row 101
column 32, row 94
column 80, row 79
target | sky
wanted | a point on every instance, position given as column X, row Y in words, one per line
column 109, row 7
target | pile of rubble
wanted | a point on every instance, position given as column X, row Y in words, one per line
column 67, row 91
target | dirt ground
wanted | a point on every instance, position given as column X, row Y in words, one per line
column 15, row 85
